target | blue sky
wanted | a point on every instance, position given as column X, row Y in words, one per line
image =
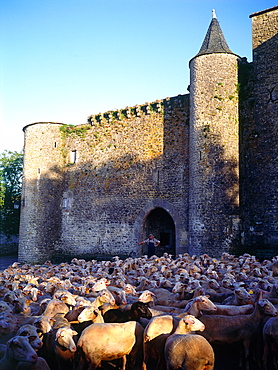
column 63, row 60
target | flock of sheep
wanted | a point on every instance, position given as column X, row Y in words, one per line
column 158, row 313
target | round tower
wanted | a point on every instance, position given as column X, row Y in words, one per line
column 41, row 189
column 213, row 145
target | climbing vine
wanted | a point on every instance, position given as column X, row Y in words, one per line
column 80, row 131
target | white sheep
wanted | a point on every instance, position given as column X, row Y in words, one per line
column 110, row 341
column 188, row 351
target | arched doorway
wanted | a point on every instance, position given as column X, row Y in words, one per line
column 159, row 223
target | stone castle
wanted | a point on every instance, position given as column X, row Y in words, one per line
column 199, row 170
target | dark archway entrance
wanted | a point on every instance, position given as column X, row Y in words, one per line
column 161, row 225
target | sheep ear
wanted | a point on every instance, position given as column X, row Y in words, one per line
column 188, row 321
column 15, row 341
column 25, row 333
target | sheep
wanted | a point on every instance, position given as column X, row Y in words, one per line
column 92, row 315
column 89, row 313
column 239, row 298
column 103, row 296
column 31, row 292
column 41, row 364
column 5, row 307
column 196, row 305
column 158, row 330
column 110, row 341
column 10, row 297
column 158, row 310
column 21, row 306
column 137, row 310
column 271, row 295
column 231, row 329
column 78, row 278
column 55, row 306
column 30, row 331
column 65, row 296
column 188, row 351
column 119, row 295
column 270, row 338
column 60, row 347
column 165, row 324
column 100, row 285
column 8, row 324
column 231, row 310
column 3, row 290
column 73, row 314
column 147, row 297
column 18, row 350
column 43, row 324
column 163, row 296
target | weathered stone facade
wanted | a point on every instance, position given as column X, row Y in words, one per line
column 261, row 139
column 179, row 167
column 214, row 155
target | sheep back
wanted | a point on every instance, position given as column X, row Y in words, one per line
column 110, row 341
column 188, row 352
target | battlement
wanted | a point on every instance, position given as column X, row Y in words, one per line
column 159, row 106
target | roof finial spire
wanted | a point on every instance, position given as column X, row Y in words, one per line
column 213, row 13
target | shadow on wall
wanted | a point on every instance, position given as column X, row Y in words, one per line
column 219, row 210
column 260, row 148
column 91, row 210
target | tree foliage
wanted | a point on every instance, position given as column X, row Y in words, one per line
column 11, row 166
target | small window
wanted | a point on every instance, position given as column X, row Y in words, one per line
column 73, row 156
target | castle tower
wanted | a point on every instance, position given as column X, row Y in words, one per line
column 41, row 192
column 261, row 209
column 213, row 147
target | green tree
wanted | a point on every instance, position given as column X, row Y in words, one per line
column 11, row 165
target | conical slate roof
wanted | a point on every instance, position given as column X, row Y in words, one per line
column 214, row 41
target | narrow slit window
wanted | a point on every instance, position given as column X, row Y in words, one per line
column 73, row 156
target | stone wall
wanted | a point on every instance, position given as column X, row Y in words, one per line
column 124, row 161
column 41, row 193
column 214, row 158
column 88, row 189
column 261, row 209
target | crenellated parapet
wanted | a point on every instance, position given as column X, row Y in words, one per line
column 126, row 113
column 158, row 107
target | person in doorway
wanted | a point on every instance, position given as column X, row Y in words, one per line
column 152, row 244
